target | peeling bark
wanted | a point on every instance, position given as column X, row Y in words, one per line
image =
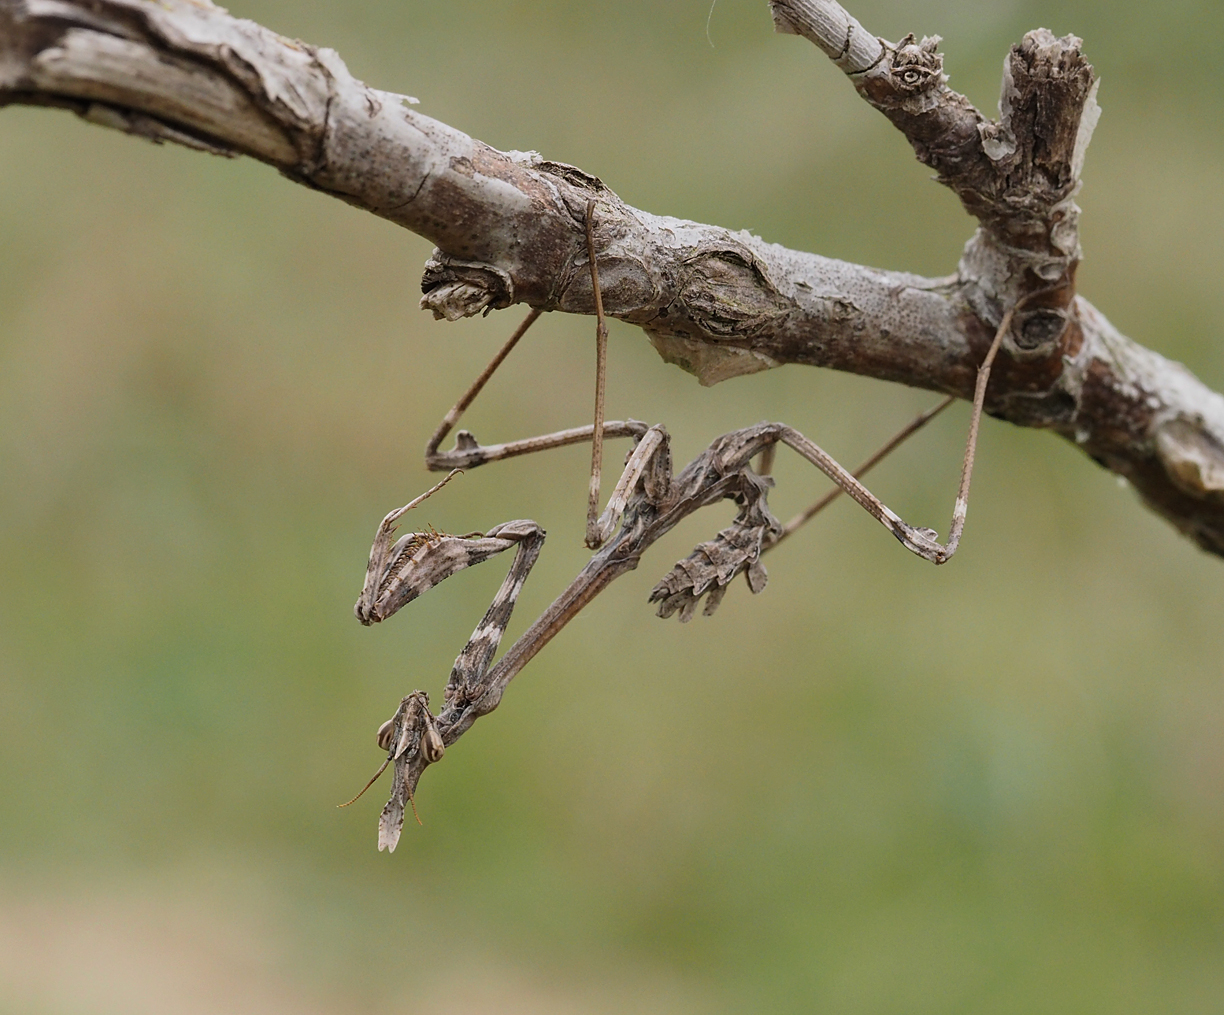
column 509, row 226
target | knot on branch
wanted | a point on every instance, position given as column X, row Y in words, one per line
column 1034, row 334
column 397, row 574
column 916, row 66
column 713, row 564
column 908, row 85
column 726, row 297
column 729, row 295
column 1193, row 458
column 454, row 289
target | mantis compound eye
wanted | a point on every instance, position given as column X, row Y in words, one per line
column 432, row 747
column 384, row 734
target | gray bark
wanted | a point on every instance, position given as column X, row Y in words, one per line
column 510, row 226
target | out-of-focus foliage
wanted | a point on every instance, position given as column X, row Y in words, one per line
column 878, row 787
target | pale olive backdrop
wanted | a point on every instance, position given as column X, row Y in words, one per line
column 879, row 787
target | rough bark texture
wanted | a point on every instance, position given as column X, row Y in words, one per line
column 510, row 227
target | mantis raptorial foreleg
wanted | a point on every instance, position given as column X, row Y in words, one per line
column 467, row 675
column 397, row 574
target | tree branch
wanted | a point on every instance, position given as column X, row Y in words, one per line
column 510, row 226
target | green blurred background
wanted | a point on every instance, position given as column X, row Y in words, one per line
column 876, row 788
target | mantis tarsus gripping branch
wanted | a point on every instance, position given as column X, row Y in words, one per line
column 646, row 503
